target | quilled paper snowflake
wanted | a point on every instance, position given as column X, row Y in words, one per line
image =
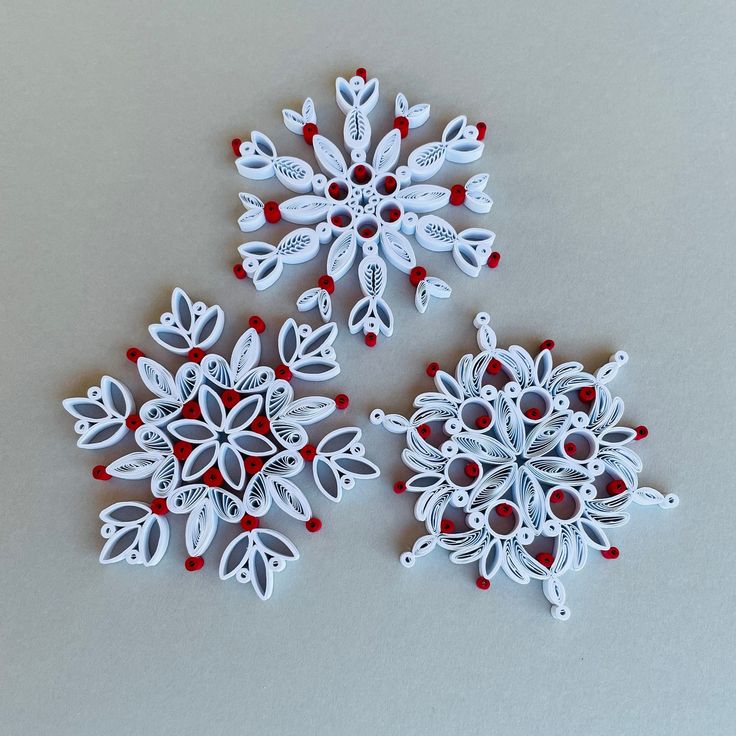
column 364, row 208
column 520, row 465
column 220, row 442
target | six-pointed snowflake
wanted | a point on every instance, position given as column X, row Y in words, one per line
column 362, row 208
column 520, row 465
column 220, row 441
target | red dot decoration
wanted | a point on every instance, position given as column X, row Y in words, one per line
column 327, row 283
column 482, row 128
column 641, row 432
column 272, row 212
column 196, row 355
column 494, row 367
column 191, row 410
column 571, row 448
column 401, row 123
column 457, row 194
column 239, row 271
column 546, row 559
column 342, row 401
column 616, row 487
column 236, row 143
column 472, row 470
column 249, row 522
column 192, row 564
column 494, row 259
column 399, row 486
column 586, row 394
column 483, row 583
column 309, row 131
column 361, row 174
column 503, row 509
column 313, row 525
column 557, row 496
column 547, row 344
column 483, row 421
column 160, row 507
column 133, row 421
column 308, row 452
column 432, row 369
column 362, row 73
column 533, row 413
column 370, row 339
column 99, row 472
column 334, row 191
column 230, row 398
column 257, row 324
column 182, row 450
column 213, row 477
column 389, row 184
column 612, row 553
column 134, row 354
column 417, row 274
column 261, row 425
column 424, row 430
column 447, row 526
column 253, row 464
column 283, row 371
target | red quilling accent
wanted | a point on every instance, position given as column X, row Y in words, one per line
column 399, row 486
column 213, row 477
column 547, row 345
column 424, row 430
column 641, row 432
column 447, row 526
column 483, row 421
column 494, row 259
column 457, row 194
column 191, row 410
column 133, row 421
column 308, row 452
column 389, row 184
column 401, row 123
column 309, row 131
column 182, row 450
column 327, row 283
column 196, row 355
column 192, row 564
column 432, row 369
column 249, row 522
column 612, row 553
column 334, row 190
column 313, row 525
column 261, row 425
column 503, row 509
column 230, row 398
column 362, row 73
column 586, row 394
column 99, row 472
column 494, row 367
column 239, row 271
column 253, row 465
column 393, row 214
column 338, row 220
column 571, row 448
column 546, row 559
column 483, row 583
column 257, row 324
column 160, row 507
column 283, row 371
column 616, row 487
column 371, row 339
column 236, row 143
column 367, row 232
column 134, row 354
column 272, row 212
column 417, row 274
column 533, row 413
column 472, row 470
column 361, row 174
column 482, row 128
column 342, row 401
column 557, row 496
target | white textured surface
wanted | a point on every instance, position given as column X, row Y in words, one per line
column 612, row 162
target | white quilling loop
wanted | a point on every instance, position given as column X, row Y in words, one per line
column 407, row 559
column 621, row 357
column 481, row 320
column 319, row 183
column 242, row 450
column 671, row 500
column 377, row 416
column 403, row 175
column 470, row 132
column 452, row 426
column 548, row 491
column 324, row 233
column 561, row 613
column 358, row 157
column 409, row 223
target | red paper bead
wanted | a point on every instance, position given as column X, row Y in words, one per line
column 546, row 559
column 230, row 398
column 342, row 401
column 586, row 394
column 134, row 354
column 196, row 355
column 367, row 232
column 557, row 496
column 192, row 564
column 213, row 477
column 503, row 509
column 494, row 259
column 483, row 583
column 482, row 128
column 370, row 339
column 494, row 367
column 392, row 214
column 401, row 123
column 99, row 472
column 432, row 369
column 417, row 274
column 257, row 324
column 362, row 73
column 457, row 194
column 261, row 425
column 447, row 526
column 471, row 470
column 571, row 448
column 191, row 410
column 399, row 486
column 389, row 184
column 338, row 220
column 239, row 271
column 334, row 190
column 547, row 345
column 283, row 371
column 253, row 465
column 641, row 432
column 308, row 452
column 327, row 283
column 236, row 143
column 133, row 421
column 533, row 413
column 309, row 131
column 249, row 522
column 424, row 430
column 616, row 487
column 160, row 507
column 483, row 421
column 272, row 212
column 182, row 450
column 313, row 525
column 361, row 174
column 611, row 553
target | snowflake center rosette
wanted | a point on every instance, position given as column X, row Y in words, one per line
column 519, row 465
column 220, row 441
column 365, row 210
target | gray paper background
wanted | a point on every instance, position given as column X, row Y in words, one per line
column 611, row 153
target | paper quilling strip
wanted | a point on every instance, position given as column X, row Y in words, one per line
column 220, row 441
column 519, row 465
column 365, row 209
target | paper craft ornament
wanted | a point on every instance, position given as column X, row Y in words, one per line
column 221, row 440
column 519, row 465
column 364, row 208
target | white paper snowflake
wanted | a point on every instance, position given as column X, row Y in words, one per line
column 527, row 459
column 220, row 442
column 364, row 208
